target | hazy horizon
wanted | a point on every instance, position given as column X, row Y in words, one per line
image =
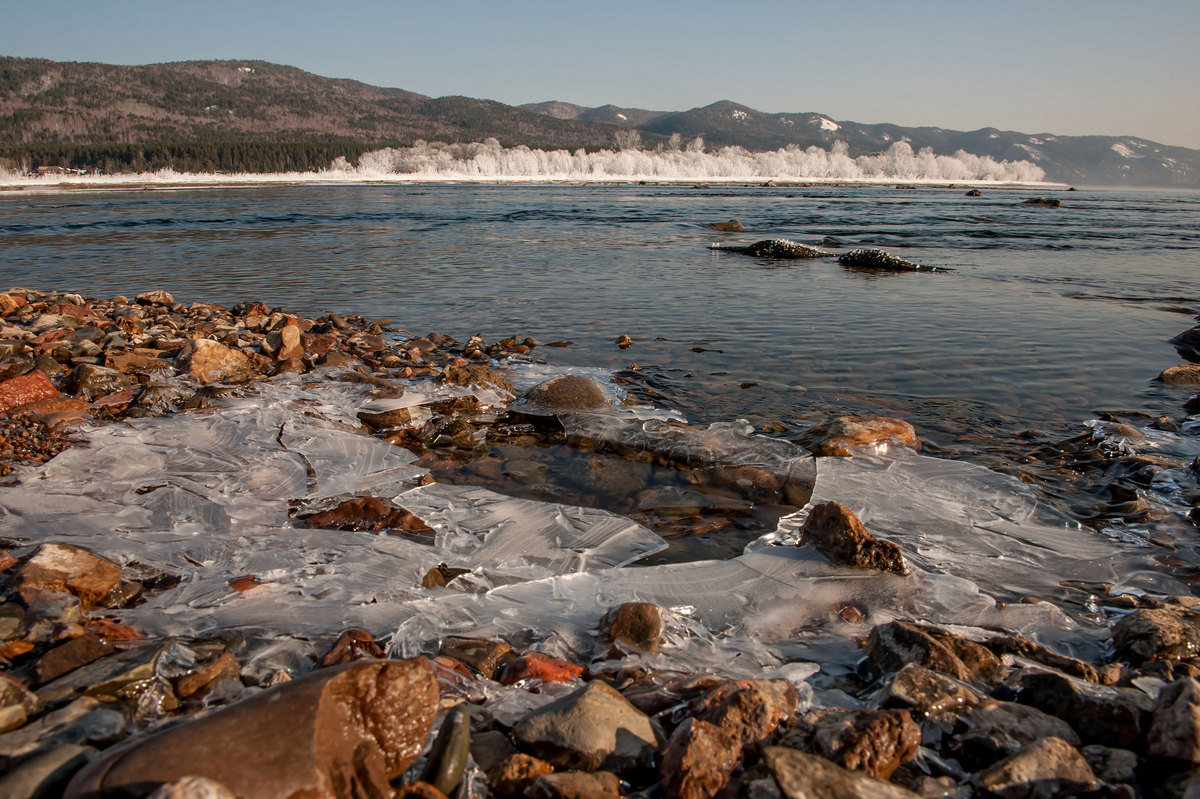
column 1066, row 68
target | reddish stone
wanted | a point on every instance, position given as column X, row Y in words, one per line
column 748, row 714
column 25, row 389
column 245, row 583
column 42, row 341
column 133, row 362
column 577, row 785
column 698, row 760
column 196, row 684
column 841, row 537
column 896, row 643
column 319, row 343
column 417, row 790
column 540, row 667
column 516, row 773
column 875, row 742
column 69, row 656
column 844, row 435
column 367, row 513
column 112, row 629
column 155, row 298
column 353, row 644
column 70, row 569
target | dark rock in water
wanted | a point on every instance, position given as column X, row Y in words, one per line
column 343, row 731
column 1051, row 767
column 592, row 728
column 1182, row 375
column 367, row 513
column 1115, row 717
column 485, row 655
column 70, row 655
column 1023, row 647
column 804, row 776
column 881, row 261
column 353, row 644
column 1188, row 340
column 567, row 391
column 1044, row 202
column 831, row 241
column 697, row 760
column 974, row 193
column 1175, row 727
column 632, row 627
column 926, row 692
column 897, row 643
column 841, row 537
column 993, row 730
column 1157, row 634
column 874, row 742
column 731, row 225
column 781, row 249
column 447, row 758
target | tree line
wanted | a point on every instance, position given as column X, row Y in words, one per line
column 202, row 156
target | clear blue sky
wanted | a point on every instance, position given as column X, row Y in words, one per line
column 1057, row 66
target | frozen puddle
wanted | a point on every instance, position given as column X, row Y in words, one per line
column 206, row 496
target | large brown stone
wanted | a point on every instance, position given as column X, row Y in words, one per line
column 591, row 728
column 897, row 643
column 343, row 731
column 845, row 434
column 875, row 742
column 747, row 710
column 841, row 537
column 1023, row 647
column 70, row 569
column 485, row 655
column 211, row 362
column 476, row 375
column 27, row 388
column 926, row 692
column 1116, row 717
column 566, row 392
column 1043, row 770
column 1157, row 634
column 632, row 627
column 1182, row 375
column 697, row 760
column 1175, row 727
column 804, row 776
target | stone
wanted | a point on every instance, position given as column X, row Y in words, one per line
column 1115, row 717
column 91, row 381
column 993, row 730
column 747, row 710
column 1046, row 769
column 476, row 375
column 47, row 773
column 875, row 742
column 897, row 643
column 26, row 388
column 536, row 667
column 847, row 433
column 1157, row 634
column 1175, row 726
column 1185, row 374
column 192, row 788
column 974, row 193
column 490, row 747
column 697, row 760
column 750, row 482
column 1031, row 650
column 926, row 692
column 630, row 628
column 16, row 365
column 417, row 790
column 84, row 721
column 485, row 655
column 446, row 761
column 577, row 785
column 12, row 621
column 1045, row 202
column 840, row 536
column 353, row 644
column 781, row 249
column 17, row 703
column 567, row 392
column 68, row 568
column 382, row 420
column 343, row 731
column 513, row 775
column 69, row 656
column 155, row 298
column 879, row 260
column 589, row 729
column 614, row 478
column 198, row 683
column 804, row 776
column 732, row 225
column 1114, row 766
column 367, row 513
column 212, row 362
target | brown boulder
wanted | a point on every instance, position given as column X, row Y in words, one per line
column 895, row 644
column 1175, row 727
column 747, row 710
column 155, row 298
column 631, row 627
column 211, row 362
column 344, row 731
column 567, row 391
column 1031, row 650
column 926, row 692
column 804, row 776
column 1043, row 770
column 1157, row 634
column 476, row 375
column 841, row 537
column 516, row 773
column 1116, row 717
column 697, row 760
column 875, row 742
column 70, row 569
column 26, row 388
column 1184, row 374
column 847, row 433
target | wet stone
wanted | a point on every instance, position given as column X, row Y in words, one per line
column 897, row 643
column 476, row 375
column 804, row 776
column 536, row 666
column 630, row 628
column 567, row 392
column 93, row 381
column 155, row 298
column 840, row 536
column 1116, row 717
column 47, row 773
column 577, row 785
column 1048, row 768
column 1182, row 375
column 782, row 249
column 1031, row 650
column 592, row 728
column 875, row 742
column 992, row 730
column 26, row 388
column 1175, row 727
column 845, row 434
column 697, row 760
column 485, row 655
column 513, row 775
column 84, row 721
column 366, row 513
column 69, row 656
column 64, row 567
column 347, row 730
column 926, row 692
column 748, row 710
column 1157, row 634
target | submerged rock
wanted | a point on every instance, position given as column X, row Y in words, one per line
column 880, row 260
column 841, row 537
column 1044, row 202
column 731, row 225
column 342, row 731
column 781, row 249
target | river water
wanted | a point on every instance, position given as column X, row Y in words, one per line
column 1043, row 320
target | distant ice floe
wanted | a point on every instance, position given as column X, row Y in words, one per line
column 488, row 161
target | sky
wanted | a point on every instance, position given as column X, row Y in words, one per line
column 1067, row 67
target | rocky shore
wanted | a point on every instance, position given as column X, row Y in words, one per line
column 93, row 706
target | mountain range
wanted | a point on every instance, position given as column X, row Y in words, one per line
column 54, row 112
